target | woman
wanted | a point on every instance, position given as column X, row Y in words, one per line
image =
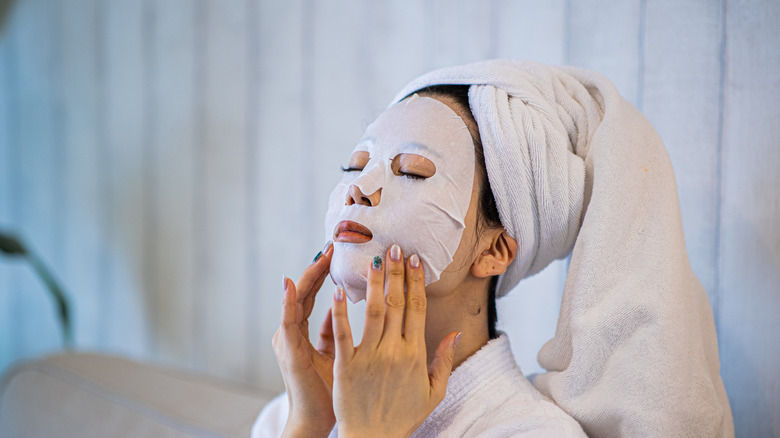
column 567, row 160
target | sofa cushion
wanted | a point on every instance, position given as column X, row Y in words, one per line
column 94, row 395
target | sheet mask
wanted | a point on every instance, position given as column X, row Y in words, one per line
column 423, row 216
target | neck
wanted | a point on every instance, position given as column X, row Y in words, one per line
column 464, row 310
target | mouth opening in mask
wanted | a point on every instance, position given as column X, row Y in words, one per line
column 352, row 232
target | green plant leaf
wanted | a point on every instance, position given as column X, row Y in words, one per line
column 10, row 245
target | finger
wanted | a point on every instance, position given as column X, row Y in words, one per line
column 315, row 274
column 342, row 334
column 309, row 297
column 416, row 302
column 321, row 259
column 375, row 304
column 289, row 318
column 326, row 344
column 441, row 366
column 394, row 295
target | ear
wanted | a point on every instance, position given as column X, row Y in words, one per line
column 498, row 252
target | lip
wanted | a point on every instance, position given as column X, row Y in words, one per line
column 351, row 232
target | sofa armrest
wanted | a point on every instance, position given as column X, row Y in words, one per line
column 93, row 395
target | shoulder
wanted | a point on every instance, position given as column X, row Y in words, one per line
column 525, row 413
column 535, row 419
column 488, row 396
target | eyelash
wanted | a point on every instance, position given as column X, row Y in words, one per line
column 407, row 175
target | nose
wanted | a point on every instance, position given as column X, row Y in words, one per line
column 355, row 196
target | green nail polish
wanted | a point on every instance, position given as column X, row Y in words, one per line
column 377, row 263
column 317, row 257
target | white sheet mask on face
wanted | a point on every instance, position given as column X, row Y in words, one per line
column 423, row 216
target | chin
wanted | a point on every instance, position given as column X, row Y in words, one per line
column 348, row 269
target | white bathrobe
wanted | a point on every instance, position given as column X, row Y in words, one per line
column 487, row 396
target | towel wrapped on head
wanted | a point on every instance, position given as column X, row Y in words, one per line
column 575, row 168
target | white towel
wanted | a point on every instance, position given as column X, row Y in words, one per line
column 573, row 164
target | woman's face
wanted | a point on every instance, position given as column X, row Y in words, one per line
column 409, row 181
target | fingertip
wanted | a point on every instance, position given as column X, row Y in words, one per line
column 414, row 261
column 287, row 291
column 395, row 253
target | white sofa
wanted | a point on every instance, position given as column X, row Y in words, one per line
column 83, row 395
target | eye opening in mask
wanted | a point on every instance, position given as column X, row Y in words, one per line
column 357, row 162
column 412, row 166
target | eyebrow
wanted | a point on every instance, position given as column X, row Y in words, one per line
column 424, row 147
column 414, row 145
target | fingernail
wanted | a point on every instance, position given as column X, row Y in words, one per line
column 457, row 339
column 395, row 253
column 339, row 295
column 377, row 263
column 414, row 261
column 317, row 257
column 327, row 246
column 284, row 283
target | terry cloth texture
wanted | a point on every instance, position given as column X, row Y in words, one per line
column 572, row 164
column 487, row 396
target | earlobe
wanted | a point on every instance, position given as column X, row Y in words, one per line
column 496, row 258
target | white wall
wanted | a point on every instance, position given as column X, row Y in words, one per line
column 171, row 160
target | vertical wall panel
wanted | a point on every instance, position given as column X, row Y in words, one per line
column 396, row 52
column 36, row 170
column 749, row 265
column 7, row 296
column 340, row 111
column 458, row 32
column 225, row 208
column 527, row 29
column 682, row 100
column 173, row 139
column 280, row 157
column 530, row 312
column 604, row 36
column 123, row 53
column 82, row 187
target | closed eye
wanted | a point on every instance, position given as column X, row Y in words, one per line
column 412, row 175
column 357, row 162
column 412, row 166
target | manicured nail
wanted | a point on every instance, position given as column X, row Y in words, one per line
column 317, row 257
column 327, row 246
column 457, row 339
column 395, row 253
column 377, row 263
column 284, row 283
column 339, row 295
column 414, row 261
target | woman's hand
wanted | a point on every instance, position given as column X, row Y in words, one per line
column 384, row 387
column 307, row 371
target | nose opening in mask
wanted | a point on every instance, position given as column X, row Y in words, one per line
column 356, row 196
column 367, row 188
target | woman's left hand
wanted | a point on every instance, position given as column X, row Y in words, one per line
column 384, row 387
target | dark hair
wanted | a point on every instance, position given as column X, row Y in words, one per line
column 487, row 214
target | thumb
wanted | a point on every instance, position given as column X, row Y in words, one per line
column 441, row 366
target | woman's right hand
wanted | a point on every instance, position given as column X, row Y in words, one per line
column 307, row 371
